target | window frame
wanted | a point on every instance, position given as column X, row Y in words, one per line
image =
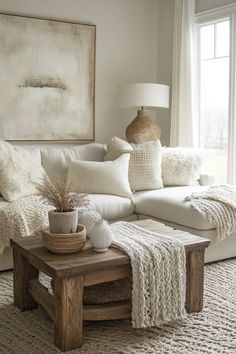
column 209, row 17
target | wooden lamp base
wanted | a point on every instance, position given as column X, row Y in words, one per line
column 142, row 129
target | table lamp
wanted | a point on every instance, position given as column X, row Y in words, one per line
column 142, row 128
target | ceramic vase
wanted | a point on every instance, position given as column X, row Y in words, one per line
column 63, row 222
column 100, row 236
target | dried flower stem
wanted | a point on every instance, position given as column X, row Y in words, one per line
column 56, row 193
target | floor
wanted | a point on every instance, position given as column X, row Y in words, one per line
column 213, row 331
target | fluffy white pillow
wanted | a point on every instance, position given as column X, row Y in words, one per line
column 109, row 177
column 181, row 166
column 145, row 162
column 19, row 172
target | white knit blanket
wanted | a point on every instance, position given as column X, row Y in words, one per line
column 158, row 273
column 24, row 217
column 218, row 204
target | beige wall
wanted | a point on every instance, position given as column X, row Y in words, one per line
column 203, row 5
column 134, row 44
column 126, row 47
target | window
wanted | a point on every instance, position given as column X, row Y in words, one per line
column 214, row 66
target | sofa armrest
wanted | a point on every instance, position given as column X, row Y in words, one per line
column 206, row 180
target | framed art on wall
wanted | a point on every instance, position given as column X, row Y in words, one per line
column 47, row 79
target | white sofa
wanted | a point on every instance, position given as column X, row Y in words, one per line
column 165, row 205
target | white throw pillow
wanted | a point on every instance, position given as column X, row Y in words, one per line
column 145, row 162
column 109, row 177
column 19, row 172
column 56, row 160
column 181, row 166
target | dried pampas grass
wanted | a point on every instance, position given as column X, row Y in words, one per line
column 56, row 193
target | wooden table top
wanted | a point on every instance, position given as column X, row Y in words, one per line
column 89, row 260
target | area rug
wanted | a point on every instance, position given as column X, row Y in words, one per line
column 213, row 331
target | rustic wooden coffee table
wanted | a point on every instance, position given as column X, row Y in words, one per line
column 71, row 273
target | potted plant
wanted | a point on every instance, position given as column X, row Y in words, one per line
column 63, row 218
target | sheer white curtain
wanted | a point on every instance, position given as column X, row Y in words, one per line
column 182, row 111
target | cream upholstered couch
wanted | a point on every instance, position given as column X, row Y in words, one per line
column 165, row 205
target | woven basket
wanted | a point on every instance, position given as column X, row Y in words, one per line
column 105, row 293
column 118, row 290
column 65, row 243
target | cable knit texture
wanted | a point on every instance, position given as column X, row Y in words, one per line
column 24, row 217
column 158, row 273
column 144, row 164
column 218, row 204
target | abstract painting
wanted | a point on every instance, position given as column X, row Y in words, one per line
column 47, row 74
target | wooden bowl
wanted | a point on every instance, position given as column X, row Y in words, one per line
column 65, row 243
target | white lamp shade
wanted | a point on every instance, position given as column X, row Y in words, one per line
column 147, row 95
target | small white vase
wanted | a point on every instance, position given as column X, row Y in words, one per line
column 100, row 236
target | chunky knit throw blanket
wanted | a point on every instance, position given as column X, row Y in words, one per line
column 218, row 204
column 24, row 217
column 158, row 274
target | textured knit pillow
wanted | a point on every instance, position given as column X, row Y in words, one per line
column 19, row 172
column 109, row 177
column 181, row 166
column 145, row 162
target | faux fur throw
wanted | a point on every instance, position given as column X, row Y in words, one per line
column 158, row 273
column 20, row 170
column 218, row 204
column 24, row 217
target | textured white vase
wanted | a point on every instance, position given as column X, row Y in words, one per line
column 100, row 236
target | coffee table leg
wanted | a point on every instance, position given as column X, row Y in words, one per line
column 194, row 280
column 69, row 313
column 23, row 272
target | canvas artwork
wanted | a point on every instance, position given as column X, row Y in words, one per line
column 47, row 71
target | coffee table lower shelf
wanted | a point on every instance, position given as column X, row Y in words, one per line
column 102, row 312
column 72, row 273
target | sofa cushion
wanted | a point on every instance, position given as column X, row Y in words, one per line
column 56, row 160
column 107, row 177
column 145, row 162
column 181, row 166
column 168, row 204
column 20, row 171
column 111, row 207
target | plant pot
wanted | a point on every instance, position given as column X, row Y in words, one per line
column 63, row 222
column 65, row 244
